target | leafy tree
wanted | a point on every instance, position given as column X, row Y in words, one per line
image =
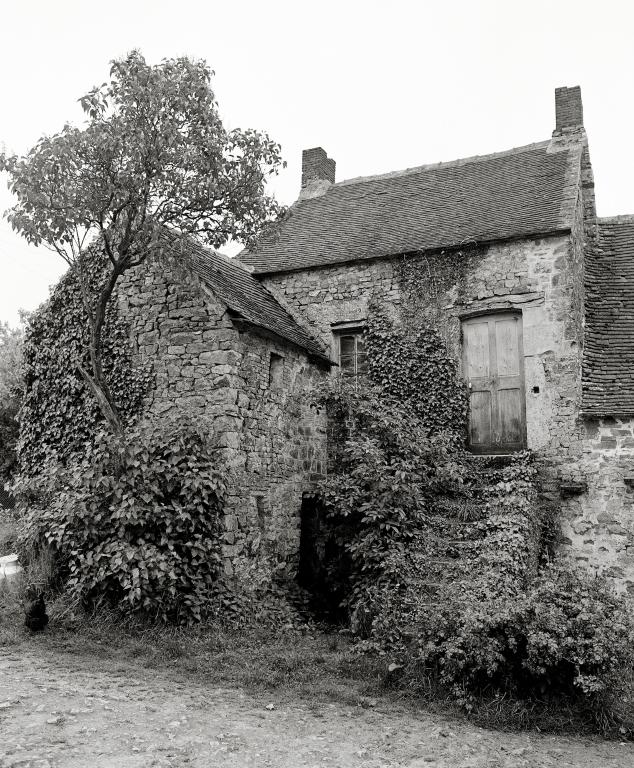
column 153, row 158
column 11, row 388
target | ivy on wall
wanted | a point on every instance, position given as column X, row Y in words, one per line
column 58, row 413
column 413, row 371
column 428, row 280
column 414, row 367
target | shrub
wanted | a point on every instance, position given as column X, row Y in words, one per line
column 579, row 633
column 565, row 634
column 389, row 473
column 136, row 522
column 480, row 621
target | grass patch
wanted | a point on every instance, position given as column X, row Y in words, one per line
column 310, row 661
column 315, row 664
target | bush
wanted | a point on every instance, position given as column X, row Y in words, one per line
column 389, row 473
column 579, row 633
column 565, row 635
column 478, row 620
column 136, row 523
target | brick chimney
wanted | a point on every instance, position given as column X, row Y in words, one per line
column 568, row 108
column 317, row 165
column 318, row 172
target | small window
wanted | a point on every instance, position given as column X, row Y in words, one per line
column 276, row 371
column 351, row 354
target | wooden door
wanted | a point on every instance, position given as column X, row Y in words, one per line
column 494, row 370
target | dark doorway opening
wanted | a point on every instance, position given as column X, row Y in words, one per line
column 321, row 562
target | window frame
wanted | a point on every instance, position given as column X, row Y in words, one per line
column 354, row 329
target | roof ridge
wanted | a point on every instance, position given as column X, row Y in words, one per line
column 441, row 164
column 207, row 250
column 625, row 218
column 235, row 291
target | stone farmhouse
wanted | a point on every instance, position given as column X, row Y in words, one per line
column 533, row 294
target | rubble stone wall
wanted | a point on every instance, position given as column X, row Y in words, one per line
column 279, row 453
column 598, row 522
column 262, row 424
column 536, row 278
column 542, row 279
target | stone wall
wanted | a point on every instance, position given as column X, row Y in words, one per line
column 542, row 278
column 279, row 455
column 536, row 277
column 187, row 338
column 598, row 523
column 266, row 433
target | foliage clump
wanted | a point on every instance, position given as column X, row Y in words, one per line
column 443, row 562
column 477, row 616
column 136, row 522
column 389, row 474
column 412, row 366
column 11, row 387
column 564, row 635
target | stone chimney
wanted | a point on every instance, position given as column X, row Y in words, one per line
column 568, row 108
column 570, row 132
column 318, row 172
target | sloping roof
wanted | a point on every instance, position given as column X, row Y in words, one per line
column 608, row 367
column 248, row 299
column 525, row 191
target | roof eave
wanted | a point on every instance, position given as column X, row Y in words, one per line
column 600, row 413
column 469, row 244
column 243, row 323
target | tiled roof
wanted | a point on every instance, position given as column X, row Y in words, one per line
column 247, row 298
column 608, row 369
column 525, row 191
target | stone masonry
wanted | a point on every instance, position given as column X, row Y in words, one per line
column 260, row 420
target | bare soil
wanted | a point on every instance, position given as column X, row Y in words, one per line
column 58, row 710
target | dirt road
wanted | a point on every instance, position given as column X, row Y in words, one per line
column 58, row 713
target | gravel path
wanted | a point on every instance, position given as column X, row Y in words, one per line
column 98, row 714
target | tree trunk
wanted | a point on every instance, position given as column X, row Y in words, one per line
column 97, row 382
column 103, row 397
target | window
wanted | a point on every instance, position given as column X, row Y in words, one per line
column 276, row 371
column 350, row 351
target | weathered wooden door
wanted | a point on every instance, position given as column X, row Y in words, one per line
column 493, row 367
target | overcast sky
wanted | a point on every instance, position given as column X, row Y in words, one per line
column 380, row 85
